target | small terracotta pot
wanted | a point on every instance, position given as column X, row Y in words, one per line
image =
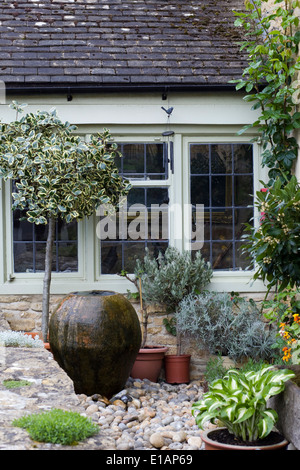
column 148, row 363
column 177, row 368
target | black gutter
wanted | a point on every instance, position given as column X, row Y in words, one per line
column 69, row 90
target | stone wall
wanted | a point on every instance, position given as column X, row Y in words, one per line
column 23, row 313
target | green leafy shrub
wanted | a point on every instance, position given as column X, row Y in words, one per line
column 225, row 325
column 239, row 402
column 275, row 244
column 57, row 426
column 271, row 42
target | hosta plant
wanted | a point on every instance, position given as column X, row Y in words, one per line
column 239, row 402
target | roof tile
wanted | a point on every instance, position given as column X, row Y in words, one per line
column 120, row 41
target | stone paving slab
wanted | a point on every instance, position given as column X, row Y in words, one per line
column 51, row 388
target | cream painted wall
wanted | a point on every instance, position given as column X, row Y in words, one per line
column 144, row 109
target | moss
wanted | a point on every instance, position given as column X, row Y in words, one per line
column 11, row 383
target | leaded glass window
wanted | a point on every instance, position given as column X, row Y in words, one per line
column 222, row 179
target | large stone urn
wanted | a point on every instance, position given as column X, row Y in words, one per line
column 95, row 337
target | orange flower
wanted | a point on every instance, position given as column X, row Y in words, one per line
column 296, row 318
column 287, row 353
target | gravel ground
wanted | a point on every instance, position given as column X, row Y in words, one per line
column 147, row 415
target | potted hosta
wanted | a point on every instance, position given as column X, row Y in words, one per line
column 166, row 280
column 238, row 402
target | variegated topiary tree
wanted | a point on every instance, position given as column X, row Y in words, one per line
column 57, row 175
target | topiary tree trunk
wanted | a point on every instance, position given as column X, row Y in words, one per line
column 47, row 277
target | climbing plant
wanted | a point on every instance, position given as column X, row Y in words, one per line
column 275, row 244
column 270, row 80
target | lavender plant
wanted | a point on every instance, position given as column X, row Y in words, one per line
column 225, row 325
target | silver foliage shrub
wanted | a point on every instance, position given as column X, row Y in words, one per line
column 226, row 326
column 18, row 339
column 171, row 276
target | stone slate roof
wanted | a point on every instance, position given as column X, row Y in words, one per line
column 98, row 43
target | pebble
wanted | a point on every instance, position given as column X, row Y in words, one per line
column 147, row 415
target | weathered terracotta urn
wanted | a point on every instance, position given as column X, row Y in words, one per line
column 95, row 337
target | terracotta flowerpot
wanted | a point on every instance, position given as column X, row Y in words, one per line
column 177, row 368
column 280, row 443
column 95, row 337
column 148, row 363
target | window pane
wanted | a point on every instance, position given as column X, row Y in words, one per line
column 199, row 155
column 111, row 257
column 136, row 196
column 200, row 190
column 221, row 191
column 222, row 225
column 221, row 158
column 67, row 257
column 242, row 259
column 132, row 252
column 143, row 161
column 67, row 231
column 133, row 158
column 157, row 196
column 222, row 255
column 154, row 158
column 243, row 190
column 30, row 257
column 23, row 257
column 157, row 247
column 241, row 217
column 40, row 232
column 22, row 230
column 243, row 158
column 226, row 192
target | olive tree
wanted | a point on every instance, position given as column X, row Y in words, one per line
column 57, row 175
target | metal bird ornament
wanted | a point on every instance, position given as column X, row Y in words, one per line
column 168, row 111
